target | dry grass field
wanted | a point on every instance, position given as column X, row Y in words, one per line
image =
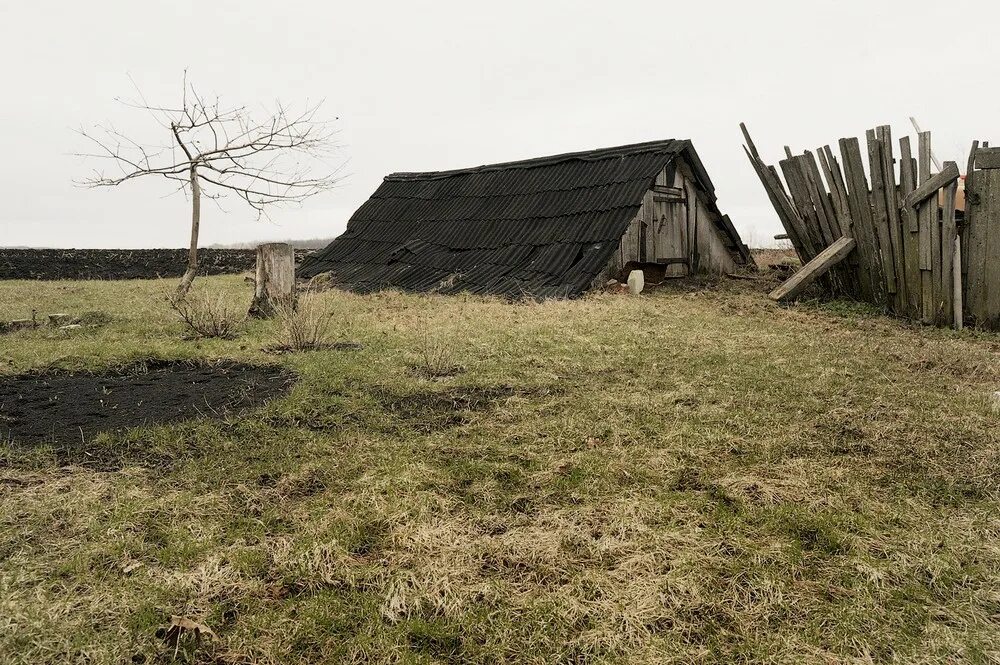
column 692, row 475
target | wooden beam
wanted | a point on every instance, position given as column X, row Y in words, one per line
column 929, row 187
column 808, row 273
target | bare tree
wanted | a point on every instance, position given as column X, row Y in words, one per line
column 211, row 151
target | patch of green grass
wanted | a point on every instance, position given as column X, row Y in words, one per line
column 694, row 475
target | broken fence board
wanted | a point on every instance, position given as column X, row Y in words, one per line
column 808, row 273
column 947, row 252
column 861, row 215
column 884, row 135
column 910, row 230
column 782, row 205
column 936, row 182
column 907, row 182
column 964, row 230
column 926, row 215
column 799, row 191
column 881, row 215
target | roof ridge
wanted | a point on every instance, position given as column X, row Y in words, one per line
column 665, row 145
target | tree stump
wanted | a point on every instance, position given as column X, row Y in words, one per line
column 275, row 283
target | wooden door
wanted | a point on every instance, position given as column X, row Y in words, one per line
column 670, row 230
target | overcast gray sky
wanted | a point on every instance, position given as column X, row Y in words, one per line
column 425, row 86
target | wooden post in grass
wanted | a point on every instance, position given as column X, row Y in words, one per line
column 275, row 283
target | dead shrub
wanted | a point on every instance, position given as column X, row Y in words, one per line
column 208, row 315
column 436, row 358
column 305, row 326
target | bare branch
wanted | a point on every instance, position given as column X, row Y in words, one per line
column 264, row 159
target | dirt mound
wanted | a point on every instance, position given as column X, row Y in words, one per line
column 66, row 408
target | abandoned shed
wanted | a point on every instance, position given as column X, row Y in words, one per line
column 547, row 227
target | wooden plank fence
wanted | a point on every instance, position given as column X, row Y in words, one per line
column 913, row 254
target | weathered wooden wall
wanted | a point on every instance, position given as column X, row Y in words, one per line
column 674, row 225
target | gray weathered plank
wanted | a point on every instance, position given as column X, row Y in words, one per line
column 907, row 181
column 975, row 245
column 808, row 273
column 884, row 135
column 853, row 276
column 880, row 215
column 782, row 205
column 910, row 230
column 799, row 191
column 948, row 235
column 861, row 214
column 988, row 158
column 991, row 278
column 958, row 310
column 926, row 213
column 970, row 168
column 936, row 182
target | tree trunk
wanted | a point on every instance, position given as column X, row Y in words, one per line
column 192, row 269
column 275, row 287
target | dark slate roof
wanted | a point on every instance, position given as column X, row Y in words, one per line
column 541, row 227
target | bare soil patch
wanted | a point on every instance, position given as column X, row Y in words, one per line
column 67, row 408
column 435, row 410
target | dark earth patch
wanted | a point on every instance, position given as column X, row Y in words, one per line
column 63, row 408
column 434, row 410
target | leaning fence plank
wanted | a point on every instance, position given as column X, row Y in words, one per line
column 861, row 214
column 847, row 225
column 839, row 204
column 808, row 161
column 780, row 202
column 770, row 175
column 881, row 218
column 750, row 146
column 970, row 167
column 838, row 199
column 924, row 216
column 907, row 182
column 829, row 229
column 910, row 230
column 797, row 188
column 947, row 251
column 958, row 311
column 808, row 273
column 884, row 135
